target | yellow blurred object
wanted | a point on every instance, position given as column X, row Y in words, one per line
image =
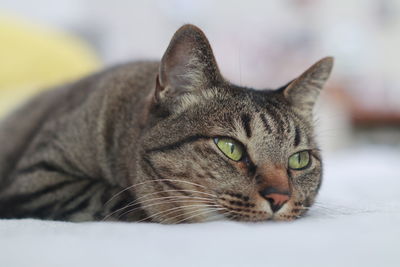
column 33, row 58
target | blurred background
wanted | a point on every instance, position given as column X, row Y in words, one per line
column 261, row 44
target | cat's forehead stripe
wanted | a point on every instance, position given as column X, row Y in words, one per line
column 297, row 137
column 276, row 119
column 265, row 123
column 246, row 123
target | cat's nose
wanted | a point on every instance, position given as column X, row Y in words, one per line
column 275, row 198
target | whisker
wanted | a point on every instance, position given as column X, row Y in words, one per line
column 173, row 190
column 175, row 209
column 320, row 205
column 153, row 180
column 156, row 204
column 218, row 207
column 321, row 208
column 216, row 217
column 198, row 214
column 188, row 213
column 172, row 197
column 176, row 190
column 168, row 212
column 136, row 201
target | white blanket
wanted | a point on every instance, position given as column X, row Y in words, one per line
column 356, row 222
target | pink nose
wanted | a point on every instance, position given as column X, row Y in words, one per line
column 275, row 199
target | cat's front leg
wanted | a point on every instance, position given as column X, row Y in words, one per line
column 45, row 192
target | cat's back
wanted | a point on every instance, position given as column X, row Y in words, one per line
column 130, row 81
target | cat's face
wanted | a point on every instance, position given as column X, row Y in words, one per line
column 222, row 151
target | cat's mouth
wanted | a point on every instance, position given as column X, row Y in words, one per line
column 235, row 206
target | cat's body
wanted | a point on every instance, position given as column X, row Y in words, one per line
column 74, row 130
column 145, row 141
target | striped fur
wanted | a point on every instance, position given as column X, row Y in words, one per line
column 135, row 143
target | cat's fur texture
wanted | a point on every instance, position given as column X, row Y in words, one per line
column 135, row 143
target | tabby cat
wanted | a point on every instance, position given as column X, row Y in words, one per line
column 166, row 142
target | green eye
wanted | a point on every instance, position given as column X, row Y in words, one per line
column 231, row 148
column 299, row 160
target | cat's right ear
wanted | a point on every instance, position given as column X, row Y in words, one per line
column 303, row 92
column 187, row 65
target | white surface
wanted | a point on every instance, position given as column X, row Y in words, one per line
column 356, row 223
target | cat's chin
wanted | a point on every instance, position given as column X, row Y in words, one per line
column 273, row 217
column 216, row 217
column 238, row 217
column 289, row 212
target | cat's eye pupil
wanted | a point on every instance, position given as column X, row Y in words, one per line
column 232, row 148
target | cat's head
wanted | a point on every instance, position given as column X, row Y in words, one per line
column 217, row 150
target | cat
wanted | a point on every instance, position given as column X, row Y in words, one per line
column 167, row 142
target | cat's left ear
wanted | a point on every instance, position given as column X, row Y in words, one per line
column 302, row 93
column 188, row 64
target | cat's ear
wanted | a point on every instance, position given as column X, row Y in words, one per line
column 187, row 65
column 302, row 93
